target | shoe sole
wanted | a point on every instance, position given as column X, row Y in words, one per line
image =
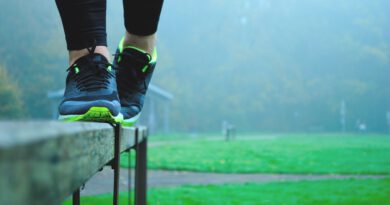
column 94, row 114
column 131, row 121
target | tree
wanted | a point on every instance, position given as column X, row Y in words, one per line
column 10, row 99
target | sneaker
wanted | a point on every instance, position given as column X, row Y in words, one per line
column 91, row 93
column 134, row 72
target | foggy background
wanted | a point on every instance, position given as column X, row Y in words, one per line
column 263, row 65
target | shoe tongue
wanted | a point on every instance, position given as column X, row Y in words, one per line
column 94, row 57
column 140, row 56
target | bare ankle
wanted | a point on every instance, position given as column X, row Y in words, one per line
column 76, row 54
column 146, row 43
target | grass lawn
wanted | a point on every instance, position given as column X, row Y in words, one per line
column 340, row 192
column 344, row 154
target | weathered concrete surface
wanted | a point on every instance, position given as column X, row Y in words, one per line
column 43, row 162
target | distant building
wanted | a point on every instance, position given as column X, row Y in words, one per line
column 155, row 113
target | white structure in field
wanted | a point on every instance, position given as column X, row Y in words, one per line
column 388, row 119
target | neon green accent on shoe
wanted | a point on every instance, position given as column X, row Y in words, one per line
column 76, row 69
column 153, row 57
column 95, row 114
column 120, row 47
column 151, row 61
column 145, row 68
column 131, row 121
column 128, row 124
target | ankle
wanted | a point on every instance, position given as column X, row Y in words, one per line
column 76, row 54
column 146, row 43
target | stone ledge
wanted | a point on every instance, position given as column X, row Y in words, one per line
column 43, row 162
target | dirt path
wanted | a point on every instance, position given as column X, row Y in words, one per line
column 102, row 182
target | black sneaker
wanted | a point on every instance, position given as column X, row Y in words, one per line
column 134, row 72
column 91, row 91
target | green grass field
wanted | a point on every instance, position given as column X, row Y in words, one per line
column 343, row 154
column 328, row 192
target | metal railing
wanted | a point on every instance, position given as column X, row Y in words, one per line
column 47, row 161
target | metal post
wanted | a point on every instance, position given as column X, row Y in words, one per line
column 343, row 113
column 140, row 171
column 76, row 197
column 166, row 117
column 388, row 120
column 116, row 160
column 129, row 175
column 152, row 122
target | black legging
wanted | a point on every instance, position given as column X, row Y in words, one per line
column 84, row 21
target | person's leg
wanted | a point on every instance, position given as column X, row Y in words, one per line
column 136, row 55
column 91, row 91
column 84, row 23
column 146, row 43
column 141, row 22
column 76, row 54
